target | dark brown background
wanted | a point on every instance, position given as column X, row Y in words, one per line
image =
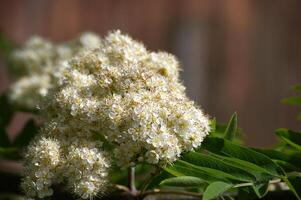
column 237, row 55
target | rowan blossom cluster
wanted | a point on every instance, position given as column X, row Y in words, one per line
column 130, row 96
column 61, row 154
column 39, row 64
column 134, row 98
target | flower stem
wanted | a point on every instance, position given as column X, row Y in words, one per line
column 131, row 181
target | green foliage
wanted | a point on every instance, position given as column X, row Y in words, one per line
column 295, row 100
column 293, row 186
column 293, row 141
column 186, row 169
column 8, row 149
column 289, row 161
column 156, row 179
column 9, row 153
column 222, row 161
column 6, row 113
column 292, row 100
column 221, row 168
column 182, row 181
column 295, row 182
column 230, row 170
column 215, row 189
column 261, row 188
column 231, row 128
column 5, row 46
column 4, row 140
column 242, row 156
column 210, row 163
column 290, row 137
column 297, row 88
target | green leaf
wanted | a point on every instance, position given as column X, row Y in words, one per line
column 5, row 46
column 297, row 87
column 246, row 193
column 11, row 196
column 220, row 128
column 294, row 185
column 242, row 156
column 182, row 181
column 28, row 132
column 4, row 140
column 213, row 172
column 260, row 173
column 226, row 197
column 215, row 189
column 158, row 179
column 299, row 116
column 213, row 125
column 106, row 145
column 261, row 189
column 286, row 166
column 182, row 170
column 288, row 161
column 231, row 128
column 213, row 163
column 290, row 137
column 292, row 100
column 145, row 172
column 6, row 111
column 20, row 108
column 273, row 154
column 9, row 153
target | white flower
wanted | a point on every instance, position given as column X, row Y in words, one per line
column 152, row 157
column 86, row 171
column 134, row 98
column 41, row 164
column 41, row 63
column 61, row 153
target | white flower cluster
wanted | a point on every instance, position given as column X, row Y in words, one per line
column 40, row 170
column 134, row 98
column 40, row 63
column 70, row 156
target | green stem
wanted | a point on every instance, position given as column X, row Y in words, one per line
column 291, row 187
column 250, row 184
column 131, row 181
column 193, row 194
column 150, row 178
column 165, row 191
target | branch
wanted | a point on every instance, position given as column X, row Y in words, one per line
column 11, row 166
column 131, row 181
column 250, row 184
column 166, row 191
column 193, row 194
column 122, row 187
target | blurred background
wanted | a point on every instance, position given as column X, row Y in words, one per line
column 236, row 55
